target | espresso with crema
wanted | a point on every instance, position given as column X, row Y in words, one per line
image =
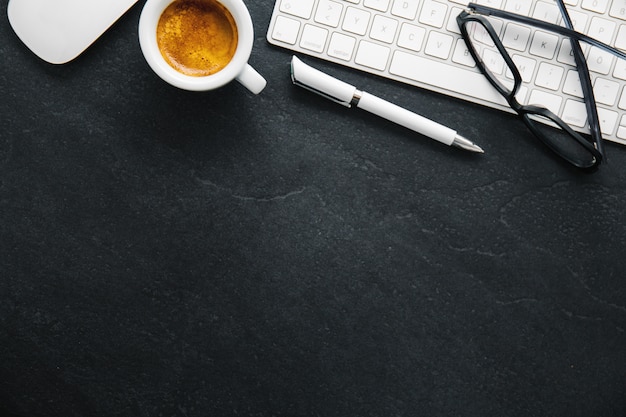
column 197, row 37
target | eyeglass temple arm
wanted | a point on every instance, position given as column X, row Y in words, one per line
column 490, row 11
column 583, row 73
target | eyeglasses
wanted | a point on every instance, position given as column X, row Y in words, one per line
column 494, row 61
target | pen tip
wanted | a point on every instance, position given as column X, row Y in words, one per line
column 468, row 145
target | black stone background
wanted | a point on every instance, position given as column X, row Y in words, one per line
column 168, row 253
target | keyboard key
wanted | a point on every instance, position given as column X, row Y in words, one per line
column 286, row 30
column 439, row 45
column 548, row 12
column 608, row 120
column 356, row 21
column 452, row 25
column 328, row 13
column 572, row 84
column 621, row 130
column 618, row 9
column 598, row 6
column 601, row 29
column 496, row 4
column 433, row 13
column 622, row 102
column 380, row 5
column 575, row 113
column 605, row 91
column 516, row 37
column 341, row 46
column 372, row 55
column 314, row 38
column 461, row 54
column 300, row 8
column 493, row 61
column 518, row 6
column 620, row 41
column 480, row 34
column 411, row 37
column 549, row 76
column 600, row 61
column 405, row 8
column 620, row 69
column 579, row 20
column 566, row 53
column 384, row 29
column 544, row 44
column 526, row 67
column 550, row 101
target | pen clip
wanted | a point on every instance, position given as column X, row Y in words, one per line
column 319, row 92
column 320, row 83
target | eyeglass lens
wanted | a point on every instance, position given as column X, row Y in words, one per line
column 518, row 75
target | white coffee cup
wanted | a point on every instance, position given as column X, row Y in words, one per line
column 237, row 69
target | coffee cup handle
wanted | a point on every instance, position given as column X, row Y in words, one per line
column 251, row 79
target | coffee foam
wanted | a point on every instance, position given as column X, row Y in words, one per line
column 197, row 37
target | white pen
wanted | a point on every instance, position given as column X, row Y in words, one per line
column 338, row 91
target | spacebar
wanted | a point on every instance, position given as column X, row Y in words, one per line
column 456, row 80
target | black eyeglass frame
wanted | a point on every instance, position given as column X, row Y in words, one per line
column 477, row 13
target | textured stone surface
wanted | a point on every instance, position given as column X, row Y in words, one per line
column 219, row 254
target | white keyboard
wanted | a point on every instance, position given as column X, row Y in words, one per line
column 418, row 42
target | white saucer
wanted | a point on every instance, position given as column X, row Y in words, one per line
column 59, row 30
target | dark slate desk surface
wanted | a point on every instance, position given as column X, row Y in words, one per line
column 167, row 253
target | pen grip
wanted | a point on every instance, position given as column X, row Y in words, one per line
column 406, row 118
